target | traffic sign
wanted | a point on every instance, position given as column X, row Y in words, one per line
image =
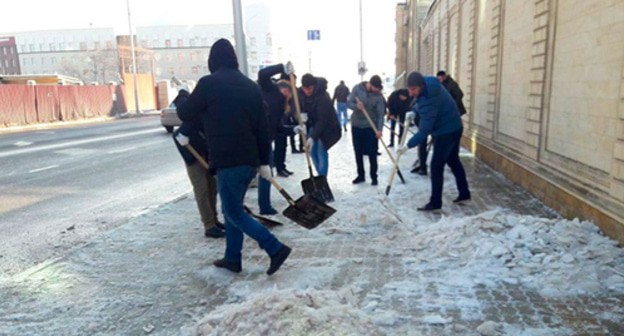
column 314, row 35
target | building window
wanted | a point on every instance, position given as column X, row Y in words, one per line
column 4, row 50
column 167, row 43
column 194, row 70
column 14, row 64
column 53, row 60
column 31, row 47
column 42, row 61
column 193, row 56
column 83, row 46
column 254, row 55
column 96, row 45
column 180, row 43
column 62, row 46
column 155, row 43
column 6, row 63
column 22, row 48
column 192, row 42
column 70, row 45
column 40, row 46
column 52, row 47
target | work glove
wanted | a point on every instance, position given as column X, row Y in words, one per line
column 265, row 172
column 402, row 149
column 304, row 117
column 289, row 68
column 298, row 129
column 182, row 139
column 411, row 116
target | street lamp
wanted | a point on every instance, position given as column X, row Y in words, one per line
column 134, row 66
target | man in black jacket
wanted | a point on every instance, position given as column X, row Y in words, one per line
column 231, row 108
column 453, row 88
column 324, row 130
column 398, row 105
column 341, row 93
column 276, row 104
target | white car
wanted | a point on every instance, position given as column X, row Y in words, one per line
column 169, row 118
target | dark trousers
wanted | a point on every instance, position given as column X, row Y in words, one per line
column 365, row 143
column 293, row 147
column 422, row 154
column 446, row 152
column 393, row 124
column 280, row 152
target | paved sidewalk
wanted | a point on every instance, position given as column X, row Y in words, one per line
column 154, row 275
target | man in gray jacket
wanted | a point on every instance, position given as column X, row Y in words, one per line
column 365, row 139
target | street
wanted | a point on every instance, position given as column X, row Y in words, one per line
column 59, row 188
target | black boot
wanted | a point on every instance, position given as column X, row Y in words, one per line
column 358, row 179
column 214, row 232
column 229, row 265
column 429, row 207
column 278, row 259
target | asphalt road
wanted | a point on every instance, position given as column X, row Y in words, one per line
column 60, row 188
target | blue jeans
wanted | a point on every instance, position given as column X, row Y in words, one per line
column 232, row 184
column 320, row 158
column 341, row 112
column 264, row 189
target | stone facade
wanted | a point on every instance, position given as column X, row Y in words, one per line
column 544, row 86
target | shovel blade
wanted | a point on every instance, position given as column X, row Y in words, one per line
column 267, row 222
column 318, row 187
column 308, row 212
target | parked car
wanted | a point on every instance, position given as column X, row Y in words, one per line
column 169, row 118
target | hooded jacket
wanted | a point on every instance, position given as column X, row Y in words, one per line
column 232, row 111
column 341, row 93
column 374, row 104
column 398, row 107
column 321, row 114
column 437, row 110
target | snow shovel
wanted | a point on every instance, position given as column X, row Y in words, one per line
column 263, row 220
column 269, row 223
column 316, row 186
column 396, row 164
column 370, row 121
column 307, row 211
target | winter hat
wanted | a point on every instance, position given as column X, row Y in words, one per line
column 222, row 54
column 376, row 82
column 283, row 84
column 415, row 79
column 308, row 80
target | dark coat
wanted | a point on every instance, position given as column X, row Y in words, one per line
column 321, row 114
column 398, row 107
column 453, row 88
column 232, row 110
column 341, row 93
column 275, row 101
column 194, row 130
column 437, row 110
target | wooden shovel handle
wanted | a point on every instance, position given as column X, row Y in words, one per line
column 396, row 166
column 279, row 188
column 293, row 86
column 199, row 158
column 370, row 121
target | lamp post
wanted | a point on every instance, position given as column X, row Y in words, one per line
column 134, row 64
column 239, row 36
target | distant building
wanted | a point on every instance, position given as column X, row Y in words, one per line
column 9, row 58
column 88, row 54
column 257, row 19
column 182, row 51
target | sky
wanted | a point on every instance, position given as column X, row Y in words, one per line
column 335, row 56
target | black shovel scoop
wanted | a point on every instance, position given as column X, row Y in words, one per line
column 307, row 211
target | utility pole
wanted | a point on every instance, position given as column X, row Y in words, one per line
column 362, row 67
column 239, row 36
column 134, row 64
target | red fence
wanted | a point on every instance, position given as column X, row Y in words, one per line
column 22, row 104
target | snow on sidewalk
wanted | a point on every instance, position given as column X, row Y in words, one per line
column 498, row 265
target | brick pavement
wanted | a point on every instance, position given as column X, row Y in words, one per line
column 154, row 274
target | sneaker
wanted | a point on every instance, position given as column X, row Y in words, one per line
column 278, row 259
column 390, row 145
column 429, row 207
column 287, row 171
column 462, row 198
column 358, row 180
column 229, row 265
column 269, row 212
column 214, row 232
column 282, row 173
column 374, row 182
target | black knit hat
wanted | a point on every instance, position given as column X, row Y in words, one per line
column 308, row 80
column 415, row 79
column 376, row 82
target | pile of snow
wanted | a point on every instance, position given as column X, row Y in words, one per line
column 553, row 256
column 289, row 312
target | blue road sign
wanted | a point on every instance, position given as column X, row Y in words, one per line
column 314, row 35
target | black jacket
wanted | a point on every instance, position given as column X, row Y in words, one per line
column 194, row 130
column 341, row 93
column 321, row 114
column 275, row 101
column 232, row 111
column 398, row 107
column 453, row 88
